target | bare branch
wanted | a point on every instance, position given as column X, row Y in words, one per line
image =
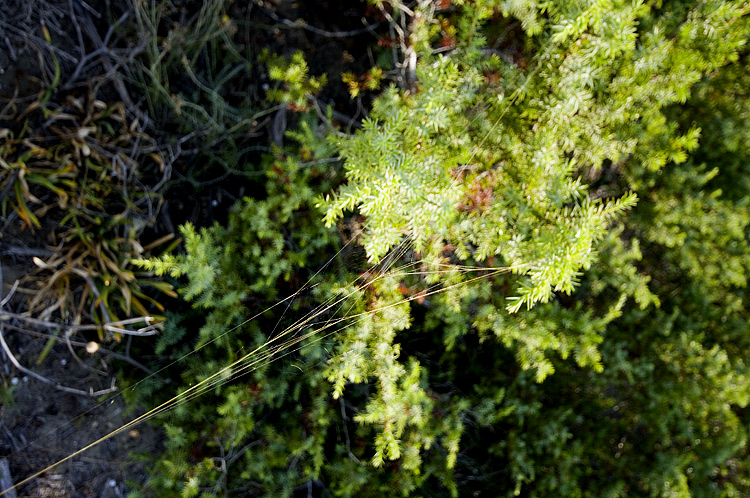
column 101, row 350
column 301, row 24
column 151, row 328
column 40, row 378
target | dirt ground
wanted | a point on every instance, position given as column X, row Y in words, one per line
column 40, row 424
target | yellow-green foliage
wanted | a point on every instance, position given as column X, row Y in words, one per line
column 524, row 326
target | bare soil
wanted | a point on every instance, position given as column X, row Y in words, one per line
column 40, row 425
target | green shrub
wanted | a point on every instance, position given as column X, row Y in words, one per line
column 484, row 193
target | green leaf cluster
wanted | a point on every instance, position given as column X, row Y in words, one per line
column 525, row 327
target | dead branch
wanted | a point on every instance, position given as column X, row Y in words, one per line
column 79, row 344
column 301, row 24
column 152, row 328
column 93, row 35
column 6, row 482
column 41, row 378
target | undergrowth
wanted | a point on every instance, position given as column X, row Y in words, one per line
column 453, row 299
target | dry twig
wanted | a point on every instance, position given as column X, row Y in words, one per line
column 79, row 344
column 41, row 378
column 301, row 24
column 152, row 328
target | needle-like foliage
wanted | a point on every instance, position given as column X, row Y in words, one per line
column 553, row 300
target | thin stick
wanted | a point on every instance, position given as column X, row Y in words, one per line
column 79, row 361
column 101, row 45
column 301, row 24
column 98, row 42
column 344, row 418
column 6, row 482
column 10, row 294
column 150, row 329
column 101, row 350
column 40, row 378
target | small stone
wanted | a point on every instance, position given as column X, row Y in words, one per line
column 112, row 483
column 14, row 381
